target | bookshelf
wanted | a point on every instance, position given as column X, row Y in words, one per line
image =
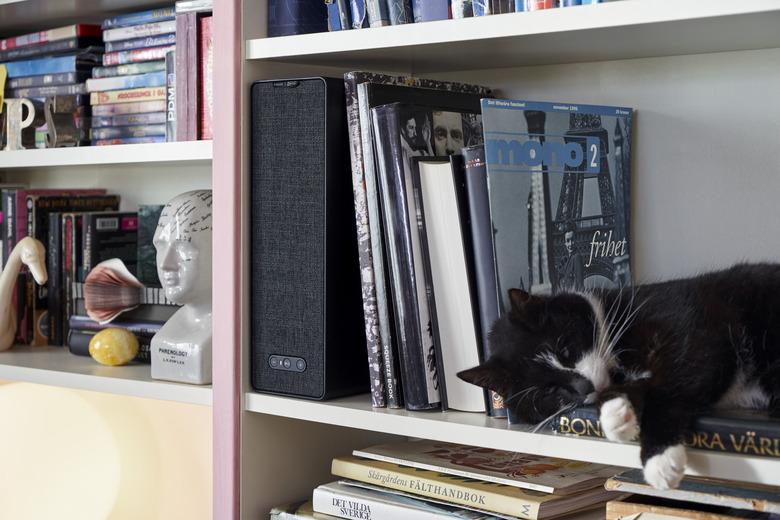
column 704, row 186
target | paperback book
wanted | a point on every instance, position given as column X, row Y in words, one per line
column 127, row 70
column 45, row 80
column 152, row 118
column 545, row 474
column 53, row 48
column 139, row 31
column 128, row 131
column 83, row 60
column 129, row 96
column 139, row 107
column 136, row 55
column 143, row 17
column 41, row 37
column 150, row 79
column 559, row 187
column 141, row 43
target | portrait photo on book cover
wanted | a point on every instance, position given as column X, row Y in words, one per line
column 560, row 199
column 426, row 132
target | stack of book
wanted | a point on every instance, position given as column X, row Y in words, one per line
column 447, row 224
column 696, row 498
column 429, row 480
column 55, row 62
column 128, row 93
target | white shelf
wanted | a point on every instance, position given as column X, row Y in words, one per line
column 55, row 366
column 481, row 430
column 611, row 31
column 175, row 152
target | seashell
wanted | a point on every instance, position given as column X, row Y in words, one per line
column 109, row 290
column 113, row 347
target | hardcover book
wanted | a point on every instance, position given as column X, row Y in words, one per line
column 79, row 340
column 150, row 79
column 559, row 186
column 139, row 31
column 744, row 432
column 486, row 496
column 69, row 45
column 186, row 76
column 345, row 501
column 60, row 33
column 484, row 262
column 365, row 90
column 287, row 17
column 401, row 132
column 297, row 511
column 143, row 17
column 128, row 96
column 83, row 60
column 545, row 474
column 170, row 106
column 136, row 55
column 110, row 235
column 129, row 69
column 141, row 43
column 445, row 242
column 430, row 10
column 737, row 495
column 647, row 508
column 205, row 94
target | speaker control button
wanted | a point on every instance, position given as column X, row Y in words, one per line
column 300, row 365
column 273, row 361
column 286, row 363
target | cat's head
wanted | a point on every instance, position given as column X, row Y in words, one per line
column 545, row 355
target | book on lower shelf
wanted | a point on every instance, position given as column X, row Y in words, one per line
column 651, row 508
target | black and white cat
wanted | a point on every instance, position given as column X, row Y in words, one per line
column 652, row 357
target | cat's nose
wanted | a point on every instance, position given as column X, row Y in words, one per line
column 582, row 386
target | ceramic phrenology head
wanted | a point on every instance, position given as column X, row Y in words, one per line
column 183, row 243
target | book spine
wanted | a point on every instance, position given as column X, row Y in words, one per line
column 150, row 79
column 570, row 3
column 358, row 11
column 78, row 344
column 54, row 90
column 334, row 17
column 137, row 55
column 153, row 118
column 128, row 131
column 140, row 107
column 45, row 80
column 127, row 96
column 170, row 106
column 723, row 434
column 129, row 69
column 141, row 43
column 430, row 10
column 378, row 14
column 153, row 15
column 139, row 31
column 88, row 239
column 186, row 74
column 419, row 393
column 345, row 18
column 481, row 7
column 142, row 328
column 56, row 65
column 538, row 5
column 9, row 231
column 68, row 268
column 47, row 49
column 59, row 33
column 346, row 505
column 35, row 308
column 382, row 392
column 457, row 492
column 400, row 12
column 484, row 264
column 205, row 74
column 54, row 270
column 462, row 9
column 200, row 6
column 286, row 17
column 128, row 140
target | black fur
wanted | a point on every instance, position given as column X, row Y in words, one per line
column 690, row 339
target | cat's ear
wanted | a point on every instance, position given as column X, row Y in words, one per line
column 492, row 374
column 519, row 299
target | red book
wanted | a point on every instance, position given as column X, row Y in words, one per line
column 205, row 75
column 537, row 5
column 60, row 33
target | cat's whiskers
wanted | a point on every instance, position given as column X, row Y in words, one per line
column 546, row 421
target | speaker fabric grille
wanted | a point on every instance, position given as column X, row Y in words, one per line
column 288, row 233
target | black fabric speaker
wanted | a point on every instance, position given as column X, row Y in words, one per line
column 306, row 308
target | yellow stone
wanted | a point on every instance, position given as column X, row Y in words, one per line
column 113, row 347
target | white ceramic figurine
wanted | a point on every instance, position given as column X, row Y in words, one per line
column 31, row 253
column 181, row 351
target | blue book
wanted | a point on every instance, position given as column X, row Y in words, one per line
column 358, row 10
column 141, row 43
column 153, row 15
column 481, row 7
column 520, row 5
column 151, row 79
column 56, row 65
column 430, row 10
column 334, row 20
column 287, row 17
column 400, row 12
column 378, row 13
column 570, row 3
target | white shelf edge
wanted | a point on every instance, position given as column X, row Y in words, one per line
column 55, row 366
column 526, row 27
column 481, row 430
column 181, row 151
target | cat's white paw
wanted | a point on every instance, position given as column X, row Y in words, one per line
column 618, row 420
column 666, row 470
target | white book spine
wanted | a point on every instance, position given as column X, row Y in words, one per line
column 342, row 505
